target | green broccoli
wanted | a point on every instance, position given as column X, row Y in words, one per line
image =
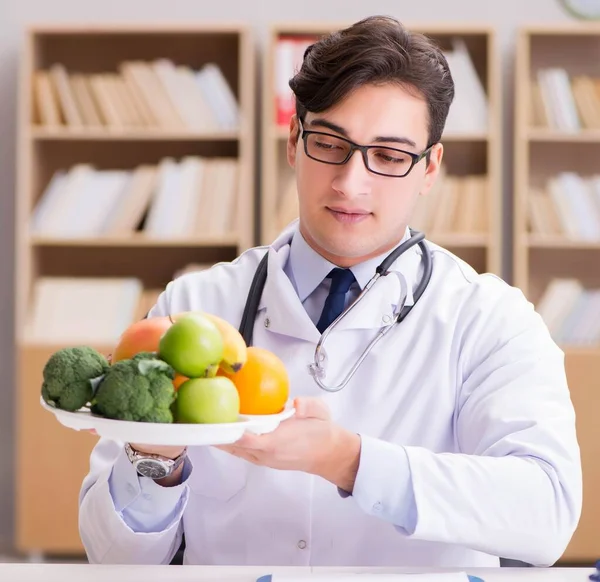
column 139, row 389
column 67, row 376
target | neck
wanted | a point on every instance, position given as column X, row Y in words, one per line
column 347, row 262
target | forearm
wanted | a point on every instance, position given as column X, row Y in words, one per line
column 123, row 519
column 514, row 507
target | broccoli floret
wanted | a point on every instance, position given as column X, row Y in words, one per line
column 139, row 389
column 67, row 374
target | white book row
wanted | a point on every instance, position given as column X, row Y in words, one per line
column 565, row 102
column 189, row 198
column 568, row 205
column 156, row 94
column 571, row 312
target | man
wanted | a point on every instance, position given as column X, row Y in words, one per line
column 453, row 443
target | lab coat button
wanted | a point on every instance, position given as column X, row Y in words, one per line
column 377, row 507
column 386, row 319
column 302, row 544
column 267, row 322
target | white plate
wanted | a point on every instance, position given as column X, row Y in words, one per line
column 153, row 433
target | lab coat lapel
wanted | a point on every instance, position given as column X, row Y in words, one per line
column 390, row 293
column 283, row 312
column 377, row 307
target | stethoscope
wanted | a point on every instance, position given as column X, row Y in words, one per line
column 317, row 369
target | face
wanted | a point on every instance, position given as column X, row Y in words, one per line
column 347, row 213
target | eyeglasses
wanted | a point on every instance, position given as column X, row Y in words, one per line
column 384, row 161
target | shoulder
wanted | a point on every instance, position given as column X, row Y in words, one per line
column 454, row 276
column 480, row 301
column 488, row 314
column 220, row 289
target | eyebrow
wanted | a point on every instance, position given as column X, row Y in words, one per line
column 320, row 122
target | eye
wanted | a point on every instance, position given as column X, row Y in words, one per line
column 324, row 145
column 390, row 158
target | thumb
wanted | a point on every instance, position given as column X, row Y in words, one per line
column 311, row 407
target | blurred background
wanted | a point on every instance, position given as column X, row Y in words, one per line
column 177, row 113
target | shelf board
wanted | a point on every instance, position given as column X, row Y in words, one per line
column 309, row 27
column 459, row 240
column 546, row 242
column 137, row 241
column 556, row 136
column 281, row 133
column 151, row 134
column 592, row 351
column 127, row 28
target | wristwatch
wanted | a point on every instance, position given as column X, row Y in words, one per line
column 153, row 466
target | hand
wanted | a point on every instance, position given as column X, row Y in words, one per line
column 309, row 442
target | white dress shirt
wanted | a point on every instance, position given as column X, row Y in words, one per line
column 468, row 444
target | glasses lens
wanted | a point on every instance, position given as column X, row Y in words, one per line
column 332, row 150
column 327, row 148
column 388, row 161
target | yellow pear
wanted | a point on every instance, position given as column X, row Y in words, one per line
column 234, row 350
column 234, row 346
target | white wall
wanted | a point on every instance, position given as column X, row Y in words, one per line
column 506, row 15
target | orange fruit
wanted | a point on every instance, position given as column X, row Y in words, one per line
column 179, row 380
column 262, row 383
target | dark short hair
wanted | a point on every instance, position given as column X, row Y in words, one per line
column 375, row 50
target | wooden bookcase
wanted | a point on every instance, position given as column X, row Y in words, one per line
column 467, row 153
column 51, row 461
column 545, row 148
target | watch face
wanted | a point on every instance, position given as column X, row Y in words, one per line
column 151, row 468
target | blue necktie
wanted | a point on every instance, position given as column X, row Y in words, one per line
column 341, row 280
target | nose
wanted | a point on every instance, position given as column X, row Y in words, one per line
column 353, row 179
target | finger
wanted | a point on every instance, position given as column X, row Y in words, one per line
column 311, row 407
column 240, row 452
column 229, row 449
column 252, row 441
column 247, row 441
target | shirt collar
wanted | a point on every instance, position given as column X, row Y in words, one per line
column 306, row 269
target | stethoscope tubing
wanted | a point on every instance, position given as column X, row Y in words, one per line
column 317, row 368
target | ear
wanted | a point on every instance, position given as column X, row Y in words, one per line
column 433, row 168
column 292, row 142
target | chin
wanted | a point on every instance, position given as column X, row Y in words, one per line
column 343, row 247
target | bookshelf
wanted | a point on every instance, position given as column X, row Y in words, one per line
column 557, row 222
column 472, row 163
column 130, row 123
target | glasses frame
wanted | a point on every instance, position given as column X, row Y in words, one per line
column 363, row 149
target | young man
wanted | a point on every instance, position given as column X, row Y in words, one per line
column 454, row 442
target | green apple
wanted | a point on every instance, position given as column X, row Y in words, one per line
column 207, row 401
column 193, row 346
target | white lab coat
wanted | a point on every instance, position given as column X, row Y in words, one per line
column 470, row 388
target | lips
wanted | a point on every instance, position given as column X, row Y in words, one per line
column 348, row 210
column 348, row 215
